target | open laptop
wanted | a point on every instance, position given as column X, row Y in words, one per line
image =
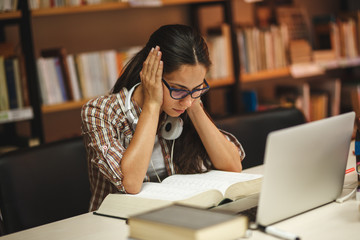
column 304, row 168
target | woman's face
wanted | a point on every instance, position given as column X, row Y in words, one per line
column 188, row 77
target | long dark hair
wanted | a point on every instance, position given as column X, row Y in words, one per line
column 180, row 45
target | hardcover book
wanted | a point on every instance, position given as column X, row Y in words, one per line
column 179, row 222
column 203, row 190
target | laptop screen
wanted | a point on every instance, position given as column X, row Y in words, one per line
column 304, row 167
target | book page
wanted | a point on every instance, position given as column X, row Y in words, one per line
column 220, row 180
column 197, row 196
column 125, row 205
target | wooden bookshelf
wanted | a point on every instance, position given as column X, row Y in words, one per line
column 10, row 15
column 110, row 6
column 175, row 2
column 265, row 75
column 70, row 105
column 78, row 9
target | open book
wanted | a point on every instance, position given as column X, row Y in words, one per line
column 204, row 190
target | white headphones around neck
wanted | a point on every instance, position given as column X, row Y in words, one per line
column 172, row 127
column 129, row 115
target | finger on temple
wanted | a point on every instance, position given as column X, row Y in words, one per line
column 146, row 62
column 152, row 61
column 156, row 64
column 159, row 71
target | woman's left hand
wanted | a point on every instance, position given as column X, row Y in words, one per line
column 195, row 107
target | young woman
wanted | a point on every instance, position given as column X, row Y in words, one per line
column 131, row 136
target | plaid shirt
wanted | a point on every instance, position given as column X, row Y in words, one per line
column 107, row 133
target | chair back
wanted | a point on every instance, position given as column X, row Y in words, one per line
column 43, row 184
column 251, row 130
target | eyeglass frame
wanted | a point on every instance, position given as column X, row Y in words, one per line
column 205, row 89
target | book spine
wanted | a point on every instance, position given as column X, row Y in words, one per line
column 4, row 99
column 73, row 77
column 18, row 85
column 10, row 80
column 60, row 78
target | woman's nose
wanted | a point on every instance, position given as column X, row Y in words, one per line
column 187, row 101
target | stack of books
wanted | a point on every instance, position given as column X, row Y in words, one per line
column 300, row 51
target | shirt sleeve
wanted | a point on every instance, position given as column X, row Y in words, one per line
column 235, row 141
column 105, row 130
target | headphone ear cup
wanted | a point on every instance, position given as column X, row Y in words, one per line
column 172, row 128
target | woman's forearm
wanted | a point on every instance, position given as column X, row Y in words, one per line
column 223, row 154
column 137, row 157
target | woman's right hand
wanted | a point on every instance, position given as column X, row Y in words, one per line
column 151, row 75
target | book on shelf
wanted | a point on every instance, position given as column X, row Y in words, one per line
column 300, row 51
column 355, row 99
column 8, row 5
column 295, row 95
column 20, row 65
column 217, row 102
column 350, row 97
column 306, row 69
column 332, row 88
column 11, row 82
column 180, row 222
column 295, row 18
column 4, row 98
column 62, row 69
column 250, row 100
column 51, row 83
column 13, row 71
column 322, row 31
column 262, row 49
column 203, row 190
column 342, row 31
column 220, row 51
column 319, row 103
column 18, row 114
column 74, row 78
column 97, row 72
column 91, row 74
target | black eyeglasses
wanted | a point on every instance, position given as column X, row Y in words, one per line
column 177, row 94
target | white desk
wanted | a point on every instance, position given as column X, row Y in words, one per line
column 332, row 221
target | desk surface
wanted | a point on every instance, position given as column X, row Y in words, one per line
column 331, row 221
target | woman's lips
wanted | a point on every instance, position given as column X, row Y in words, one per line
column 179, row 111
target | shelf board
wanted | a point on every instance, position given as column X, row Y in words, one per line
column 177, row 2
column 70, row 105
column 221, row 82
column 264, row 75
column 79, row 9
column 15, row 115
column 104, row 7
column 10, row 15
